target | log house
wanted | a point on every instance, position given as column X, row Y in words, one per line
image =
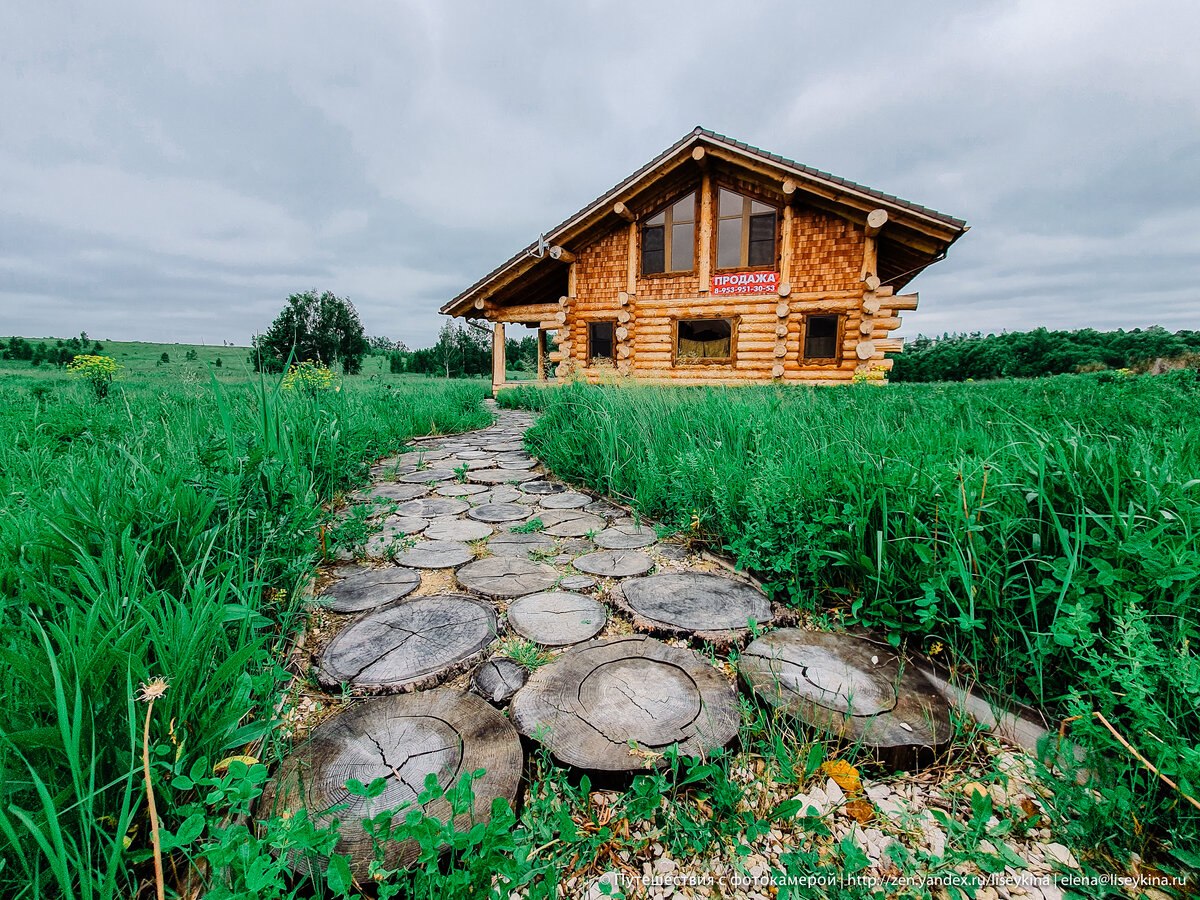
column 718, row 263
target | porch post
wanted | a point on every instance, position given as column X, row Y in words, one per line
column 497, row 356
column 541, row 348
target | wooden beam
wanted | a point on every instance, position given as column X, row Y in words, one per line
column 561, row 254
column 876, row 219
column 904, row 301
column 631, row 287
column 700, row 155
column 525, row 314
column 498, row 359
column 785, row 251
column 791, row 191
column 624, row 211
column 706, row 230
column 541, row 354
column 571, row 275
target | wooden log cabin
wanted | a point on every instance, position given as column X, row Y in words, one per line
column 718, row 263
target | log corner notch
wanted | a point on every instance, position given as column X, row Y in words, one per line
column 622, row 211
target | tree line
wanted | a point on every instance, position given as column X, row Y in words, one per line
column 60, row 354
column 463, row 351
column 1032, row 354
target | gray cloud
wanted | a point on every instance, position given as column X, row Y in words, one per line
column 172, row 173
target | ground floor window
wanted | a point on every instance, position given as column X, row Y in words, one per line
column 600, row 340
column 704, row 341
column 822, row 336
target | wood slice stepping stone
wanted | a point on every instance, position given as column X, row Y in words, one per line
column 510, row 544
column 432, row 507
column 500, row 476
column 671, row 551
column 557, row 618
column 460, row 490
column 471, row 464
column 426, row 476
column 389, row 471
column 473, row 454
column 501, row 495
column 591, row 702
column 566, row 500
column 539, row 488
column 398, row 492
column 404, row 524
column 614, row 563
column 414, row 643
column 570, row 522
column 435, row 555
column 505, row 447
column 576, row 546
column 497, row 679
column 368, row 589
column 626, row 537
column 500, row 512
column 603, row 508
column 430, row 454
column 526, row 462
column 450, row 528
column 506, row 576
column 710, row 606
column 577, row 583
column 846, row 684
column 401, row 739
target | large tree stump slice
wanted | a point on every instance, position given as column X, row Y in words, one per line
column 557, row 618
column 710, row 606
column 432, row 507
column 509, row 543
column 452, row 528
column 515, row 462
column 368, row 589
column 500, row 476
column 614, row 563
column 500, row 512
column 435, row 555
column 417, row 642
column 541, row 488
column 604, row 508
column 846, row 684
column 397, row 492
column 570, row 522
column 426, row 476
column 460, row 490
column 591, row 702
column 498, row 678
column 565, row 500
column 506, row 576
column 502, row 494
column 626, row 537
column 402, row 739
column 510, row 446
column 474, row 454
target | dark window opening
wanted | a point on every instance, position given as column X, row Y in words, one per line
column 745, row 231
column 600, row 340
column 820, row 337
column 669, row 238
column 704, row 340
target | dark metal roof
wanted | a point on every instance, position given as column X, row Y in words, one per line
column 693, row 137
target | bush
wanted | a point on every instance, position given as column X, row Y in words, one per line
column 97, row 371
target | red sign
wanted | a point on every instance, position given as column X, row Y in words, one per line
column 746, row 283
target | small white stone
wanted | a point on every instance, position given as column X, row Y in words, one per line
column 1060, row 854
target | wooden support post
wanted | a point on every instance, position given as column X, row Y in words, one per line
column 498, row 360
column 541, row 354
column 876, row 219
column 706, row 226
column 623, row 211
column 790, row 191
column 571, row 281
column 700, row 156
column 785, row 252
column 631, row 287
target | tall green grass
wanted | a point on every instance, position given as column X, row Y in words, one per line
column 164, row 532
column 1044, row 532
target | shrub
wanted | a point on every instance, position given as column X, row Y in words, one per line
column 98, row 371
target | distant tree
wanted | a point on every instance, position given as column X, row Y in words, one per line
column 164, row 359
column 190, row 356
column 316, row 327
column 98, row 349
column 218, row 362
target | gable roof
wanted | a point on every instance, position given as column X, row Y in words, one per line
column 921, row 217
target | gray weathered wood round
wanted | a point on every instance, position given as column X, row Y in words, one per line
column 500, row 476
column 570, row 522
column 565, row 500
column 498, row 678
column 577, row 583
column 502, row 494
column 596, row 698
column 539, row 488
column 397, row 492
column 451, row 528
column 506, row 576
column 460, row 490
column 500, row 512
column 368, row 589
column 509, row 446
column 435, row 555
column 626, row 537
column 557, row 618
column 474, row 454
column 415, row 642
column 515, row 462
column 846, row 684
column 614, row 563
column 509, row 543
column 426, row 476
column 603, row 508
column 401, row 739
column 432, row 507
column 686, row 602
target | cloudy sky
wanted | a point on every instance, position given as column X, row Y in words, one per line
column 172, row 171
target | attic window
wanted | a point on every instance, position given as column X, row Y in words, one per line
column 600, row 340
column 669, row 238
column 821, row 338
column 700, row 341
column 745, row 232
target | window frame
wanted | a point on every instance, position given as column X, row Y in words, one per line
column 744, row 248
column 666, row 226
column 591, row 358
column 839, row 337
column 731, row 360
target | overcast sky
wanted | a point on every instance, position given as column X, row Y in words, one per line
column 171, row 171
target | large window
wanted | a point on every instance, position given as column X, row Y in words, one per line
column 821, row 339
column 600, row 340
column 745, row 232
column 704, row 341
column 669, row 238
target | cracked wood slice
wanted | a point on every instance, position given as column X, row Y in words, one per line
column 577, row 583
column 497, row 679
column 368, row 589
column 570, row 522
column 425, row 454
column 426, row 476
column 593, row 700
column 626, row 537
column 397, row 492
column 388, row 472
column 565, row 500
column 474, row 454
column 502, row 494
column 508, row 543
column 414, row 642
column 527, row 462
column 506, row 576
column 435, row 555
column 603, row 508
column 450, row 528
column 695, row 602
column 401, row 739
column 460, row 490
column 500, row 476
column 500, row 512
column 557, row 618
column 846, row 684
column 432, row 507
column 543, row 487
column 510, row 446
column 614, row 563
